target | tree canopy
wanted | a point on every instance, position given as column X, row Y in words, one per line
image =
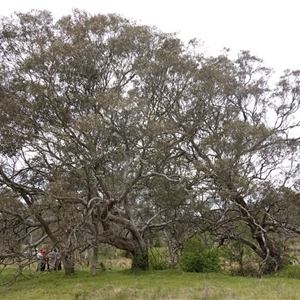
column 114, row 132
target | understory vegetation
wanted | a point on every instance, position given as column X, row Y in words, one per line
column 204, row 271
column 124, row 284
column 199, row 255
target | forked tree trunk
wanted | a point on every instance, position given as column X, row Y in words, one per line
column 133, row 243
column 266, row 249
column 271, row 265
column 273, row 260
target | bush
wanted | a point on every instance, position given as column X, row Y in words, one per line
column 290, row 271
column 199, row 257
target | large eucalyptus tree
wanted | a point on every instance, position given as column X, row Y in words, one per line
column 112, row 130
column 83, row 132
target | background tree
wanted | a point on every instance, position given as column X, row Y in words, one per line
column 236, row 136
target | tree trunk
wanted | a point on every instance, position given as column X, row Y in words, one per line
column 271, row 265
column 94, row 261
column 267, row 249
column 134, row 242
column 67, row 259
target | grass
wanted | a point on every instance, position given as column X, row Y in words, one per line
column 165, row 284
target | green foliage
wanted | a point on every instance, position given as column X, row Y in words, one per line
column 290, row 271
column 155, row 285
column 157, row 258
column 199, row 257
column 238, row 259
column 140, row 261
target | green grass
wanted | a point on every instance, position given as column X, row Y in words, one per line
column 165, row 284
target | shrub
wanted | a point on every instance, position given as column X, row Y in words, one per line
column 199, row 257
column 290, row 271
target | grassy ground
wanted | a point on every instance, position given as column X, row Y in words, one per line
column 166, row 284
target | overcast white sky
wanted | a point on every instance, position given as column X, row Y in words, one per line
column 268, row 28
